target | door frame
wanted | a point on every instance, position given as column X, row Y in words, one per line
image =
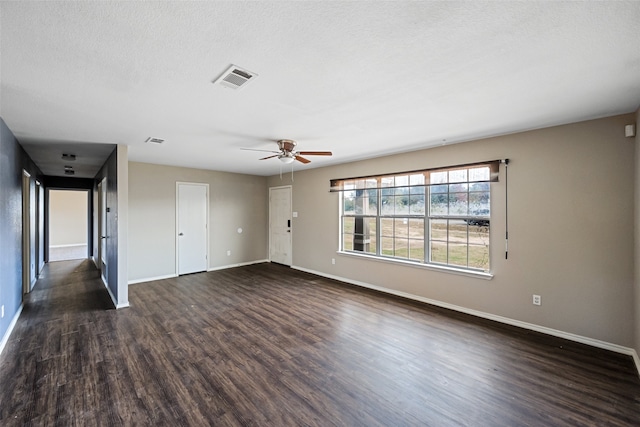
column 40, row 228
column 26, row 232
column 290, row 188
column 30, row 236
column 88, row 215
column 177, row 223
column 102, row 230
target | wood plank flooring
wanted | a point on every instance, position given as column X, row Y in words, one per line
column 265, row 345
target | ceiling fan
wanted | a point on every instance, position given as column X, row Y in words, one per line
column 287, row 152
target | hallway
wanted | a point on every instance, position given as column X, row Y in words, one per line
column 53, row 348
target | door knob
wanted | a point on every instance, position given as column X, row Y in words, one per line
column 181, row 234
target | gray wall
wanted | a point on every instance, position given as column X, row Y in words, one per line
column 116, row 172
column 571, row 192
column 235, row 200
column 13, row 160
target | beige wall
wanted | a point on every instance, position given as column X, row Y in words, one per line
column 235, row 201
column 68, row 217
column 570, row 227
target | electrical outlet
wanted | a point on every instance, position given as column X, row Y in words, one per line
column 228, row 253
column 333, row 261
column 537, row 300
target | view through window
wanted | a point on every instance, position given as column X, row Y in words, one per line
column 439, row 217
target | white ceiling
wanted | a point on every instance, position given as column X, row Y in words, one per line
column 361, row 79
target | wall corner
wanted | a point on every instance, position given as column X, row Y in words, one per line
column 636, row 255
column 122, row 162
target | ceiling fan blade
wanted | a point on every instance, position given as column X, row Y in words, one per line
column 269, row 157
column 302, row 159
column 316, row 153
column 265, row 151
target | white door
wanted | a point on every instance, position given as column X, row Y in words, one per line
column 280, row 225
column 192, row 213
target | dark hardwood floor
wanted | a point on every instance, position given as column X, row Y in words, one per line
column 265, row 345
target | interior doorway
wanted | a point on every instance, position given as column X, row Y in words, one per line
column 68, row 224
column 40, row 229
column 102, row 230
column 29, row 257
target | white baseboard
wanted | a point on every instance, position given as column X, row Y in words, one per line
column 12, row 325
column 170, row 276
column 533, row 327
column 113, row 299
column 151, row 279
column 241, row 264
column 636, row 359
column 67, row 246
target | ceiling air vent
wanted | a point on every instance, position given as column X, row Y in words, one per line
column 152, row 140
column 235, row 78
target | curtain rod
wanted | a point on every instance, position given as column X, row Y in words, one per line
column 417, row 171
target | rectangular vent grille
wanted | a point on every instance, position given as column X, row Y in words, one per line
column 70, row 157
column 235, row 78
column 152, row 140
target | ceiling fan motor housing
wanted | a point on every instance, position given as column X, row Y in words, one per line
column 287, row 145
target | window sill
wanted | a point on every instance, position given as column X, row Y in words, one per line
column 440, row 268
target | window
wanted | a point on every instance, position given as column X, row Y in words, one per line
column 437, row 217
column 459, row 218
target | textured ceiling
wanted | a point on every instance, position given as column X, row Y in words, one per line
column 361, row 79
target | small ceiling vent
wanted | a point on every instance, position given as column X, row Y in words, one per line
column 235, row 78
column 152, row 140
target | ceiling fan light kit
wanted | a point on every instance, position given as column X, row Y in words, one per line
column 286, row 159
